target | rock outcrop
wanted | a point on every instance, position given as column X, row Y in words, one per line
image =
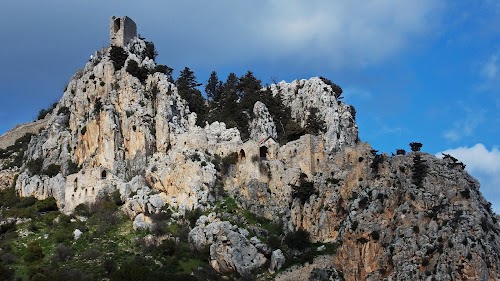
column 304, row 95
column 262, row 125
column 230, row 250
column 121, row 126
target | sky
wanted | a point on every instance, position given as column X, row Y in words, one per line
column 415, row 70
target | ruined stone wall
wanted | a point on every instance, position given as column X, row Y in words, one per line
column 122, row 30
column 10, row 137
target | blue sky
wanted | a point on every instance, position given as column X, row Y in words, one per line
column 416, row 70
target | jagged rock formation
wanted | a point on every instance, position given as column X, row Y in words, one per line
column 303, row 95
column 262, row 126
column 403, row 217
column 230, row 250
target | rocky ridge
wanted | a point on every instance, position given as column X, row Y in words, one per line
column 113, row 132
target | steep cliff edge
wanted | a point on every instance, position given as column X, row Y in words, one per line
column 121, row 126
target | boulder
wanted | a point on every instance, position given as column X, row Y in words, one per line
column 277, row 261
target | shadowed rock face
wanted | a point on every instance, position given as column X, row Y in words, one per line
column 110, row 131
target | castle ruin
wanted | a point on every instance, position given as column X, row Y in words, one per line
column 122, row 30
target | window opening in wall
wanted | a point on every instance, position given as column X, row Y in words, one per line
column 116, row 25
column 263, row 152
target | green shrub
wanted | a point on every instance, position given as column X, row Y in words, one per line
column 415, row 146
column 73, row 168
column 35, row 166
column 44, row 112
column 419, row 170
column 6, row 273
column 293, row 131
column 227, row 161
column 47, row 205
column 336, row 88
column 375, row 235
column 63, row 253
column 165, row 70
column 26, row 202
column 195, row 157
column 118, row 56
column 193, row 215
column 97, row 106
column 304, row 190
column 149, row 51
column 9, row 198
column 298, row 240
column 52, row 170
column 33, row 252
column 63, row 110
column 82, row 210
column 135, row 70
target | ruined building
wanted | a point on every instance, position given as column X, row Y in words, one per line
column 122, row 30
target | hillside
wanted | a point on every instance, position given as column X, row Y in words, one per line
column 125, row 182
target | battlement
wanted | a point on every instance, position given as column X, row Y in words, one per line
column 122, row 30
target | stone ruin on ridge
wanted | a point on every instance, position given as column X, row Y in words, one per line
column 122, row 30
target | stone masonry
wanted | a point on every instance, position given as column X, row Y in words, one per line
column 122, row 30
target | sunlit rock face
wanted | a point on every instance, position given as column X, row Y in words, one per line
column 117, row 135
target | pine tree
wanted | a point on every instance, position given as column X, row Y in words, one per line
column 229, row 110
column 281, row 114
column 187, row 87
column 314, row 124
column 249, row 91
column 213, row 88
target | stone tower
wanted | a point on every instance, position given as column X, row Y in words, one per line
column 122, row 30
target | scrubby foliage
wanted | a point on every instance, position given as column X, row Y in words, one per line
column 419, row 170
column 336, row 88
column 118, row 56
column 165, row 70
column 187, row 87
column 43, row 112
column 227, row 161
column 108, row 249
column 150, row 51
column 314, row 123
column 415, row 146
column 304, row 190
column 137, row 71
column 15, row 152
column 298, row 240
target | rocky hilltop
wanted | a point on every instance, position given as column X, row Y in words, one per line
column 369, row 216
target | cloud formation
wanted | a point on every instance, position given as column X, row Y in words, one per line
column 466, row 126
column 483, row 164
column 491, row 67
column 340, row 33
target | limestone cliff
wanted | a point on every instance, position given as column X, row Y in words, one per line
column 122, row 126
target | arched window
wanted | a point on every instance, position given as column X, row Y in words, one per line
column 104, row 174
column 263, row 152
column 242, row 154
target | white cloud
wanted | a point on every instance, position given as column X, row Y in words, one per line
column 466, row 126
column 346, row 31
column 356, row 93
column 334, row 32
column 491, row 67
column 483, row 164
